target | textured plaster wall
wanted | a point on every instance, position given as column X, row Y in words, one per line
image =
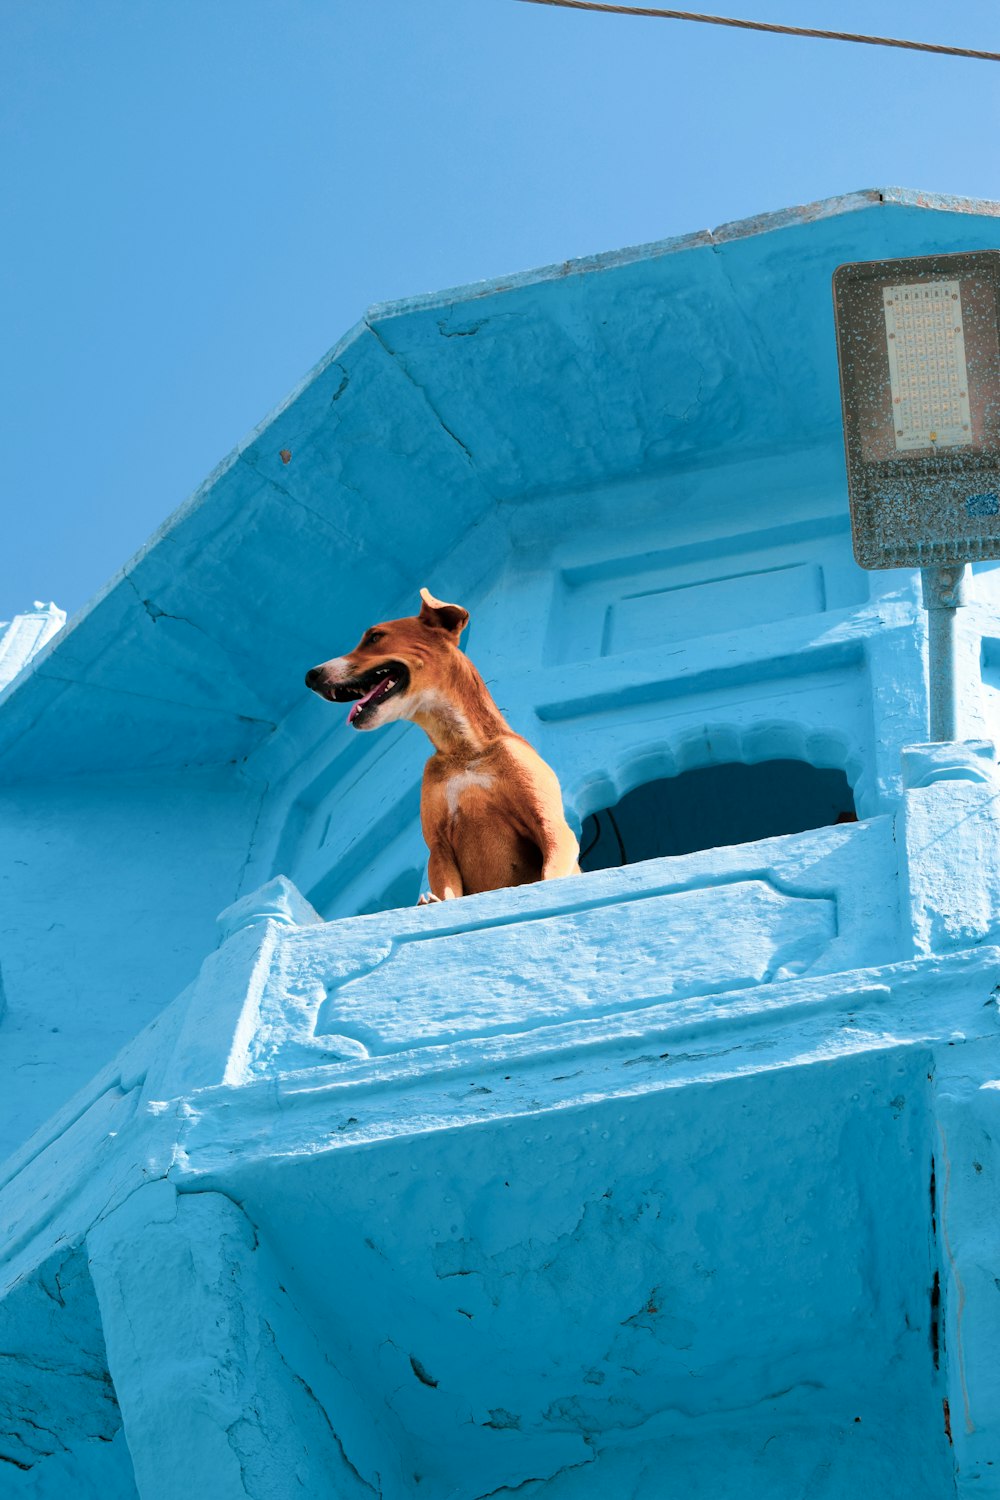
column 632, row 632
column 719, row 1293
column 665, row 1182
column 724, row 1246
column 108, row 893
column 615, row 635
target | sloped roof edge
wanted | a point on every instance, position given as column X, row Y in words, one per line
column 181, row 513
column 735, row 229
column 45, row 674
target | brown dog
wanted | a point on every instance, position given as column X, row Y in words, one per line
column 490, row 808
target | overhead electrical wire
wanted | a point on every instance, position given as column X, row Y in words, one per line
column 832, row 36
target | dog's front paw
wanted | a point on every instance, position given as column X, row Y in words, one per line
column 428, row 898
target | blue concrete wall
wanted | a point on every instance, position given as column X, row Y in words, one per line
column 671, row 1180
column 622, row 649
column 712, row 1218
column 108, row 890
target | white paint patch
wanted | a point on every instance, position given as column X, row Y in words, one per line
column 24, row 636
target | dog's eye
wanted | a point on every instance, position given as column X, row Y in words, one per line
column 371, row 636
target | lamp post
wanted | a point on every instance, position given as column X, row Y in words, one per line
column 919, row 353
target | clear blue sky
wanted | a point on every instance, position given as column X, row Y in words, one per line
column 200, row 196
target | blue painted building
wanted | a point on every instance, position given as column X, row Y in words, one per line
column 676, row 1178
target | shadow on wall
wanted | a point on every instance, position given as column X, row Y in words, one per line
column 715, row 806
column 404, row 890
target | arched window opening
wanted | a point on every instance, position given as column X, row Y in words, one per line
column 715, row 806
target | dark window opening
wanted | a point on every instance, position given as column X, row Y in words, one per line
column 715, row 806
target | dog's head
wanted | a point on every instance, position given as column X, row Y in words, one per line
column 395, row 666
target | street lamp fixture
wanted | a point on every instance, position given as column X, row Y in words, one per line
column 919, row 351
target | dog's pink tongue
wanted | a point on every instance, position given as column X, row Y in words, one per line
column 373, row 692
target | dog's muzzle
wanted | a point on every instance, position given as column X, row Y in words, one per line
column 365, row 692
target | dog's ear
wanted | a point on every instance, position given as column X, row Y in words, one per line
column 441, row 616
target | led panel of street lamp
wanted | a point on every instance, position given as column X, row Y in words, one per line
column 919, row 357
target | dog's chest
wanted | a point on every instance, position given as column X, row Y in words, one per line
column 463, row 791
